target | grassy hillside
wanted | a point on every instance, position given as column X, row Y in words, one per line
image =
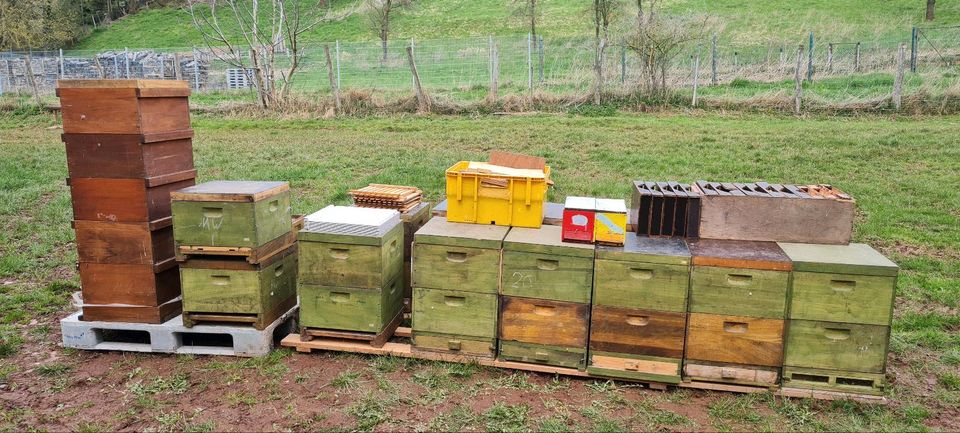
column 741, row 21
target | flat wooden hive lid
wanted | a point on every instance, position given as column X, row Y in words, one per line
column 547, row 240
column 122, row 84
column 611, row 205
column 739, row 254
column 647, row 250
column 230, row 190
column 859, row 259
column 580, row 203
column 439, row 231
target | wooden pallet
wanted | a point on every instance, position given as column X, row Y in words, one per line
column 253, row 255
column 406, row 350
column 258, row 321
column 373, row 339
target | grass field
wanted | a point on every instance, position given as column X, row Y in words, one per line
column 744, row 21
column 905, row 174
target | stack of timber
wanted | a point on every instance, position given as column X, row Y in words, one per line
column 236, row 244
column 840, row 312
column 350, row 274
column 738, row 303
column 639, row 317
column 456, row 277
column 397, row 197
column 818, row 214
column 128, row 145
column 545, row 303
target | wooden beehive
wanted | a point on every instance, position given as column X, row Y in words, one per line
column 233, row 290
column 129, row 156
column 456, row 278
column 840, row 314
column 538, row 264
column 544, row 331
column 141, row 107
column 638, row 318
column 231, row 214
column 126, row 200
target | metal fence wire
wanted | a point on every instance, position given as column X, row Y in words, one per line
column 463, row 68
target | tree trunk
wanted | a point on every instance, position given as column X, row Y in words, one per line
column 931, row 5
column 533, row 19
column 385, row 27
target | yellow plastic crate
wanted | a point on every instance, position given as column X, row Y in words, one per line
column 481, row 193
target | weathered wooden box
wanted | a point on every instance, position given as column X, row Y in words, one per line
column 464, row 257
column 837, row 346
column 454, row 321
column 131, row 313
column 234, row 287
column 634, row 343
column 735, row 339
column 231, row 213
column 645, row 273
column 361, row 262
column 129, row 156
column 538, row 264
column 543, row 331
column 841, row 283
column 368, row 310
column 780, row 213
column 124, row 243
column 126, row 200
column 740, row 278
column 413, row 220
column 129, row 284
column 142, row 107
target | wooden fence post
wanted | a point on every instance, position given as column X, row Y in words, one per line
column 830, row 58
column 713, row 60
column 696, row 76
column 798, row 80
column 898, row 80
column 422, row 103
column 856, row 59
column 334, row 86
column 494, row 72
column 177, row 73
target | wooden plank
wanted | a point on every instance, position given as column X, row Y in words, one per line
column 516, row 160
column 737, row 374
column 130, row 313
column 734, row 339
column 541, row 321
column 454, row 312
column 638, row 332
column 766, row 218
column 634, row 367
column 739, row 292
column 376, row 339
column 570, row 357
column 739, row 254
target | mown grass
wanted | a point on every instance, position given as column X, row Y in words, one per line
column 905, row 174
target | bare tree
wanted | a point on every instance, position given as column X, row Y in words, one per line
column 604, row 12
column 657, row 40
column 251, row 33
column 529, row 12
column 931, row 5
column 378, row 16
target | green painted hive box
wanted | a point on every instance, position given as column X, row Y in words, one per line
column 538, row 264
column 841, row 283
column 343, row 260
column 739, row 278
column 457, row 256
column 454, row 321
column 241, row 214
column 232, row 286
column 645, row 273
column 350, row 308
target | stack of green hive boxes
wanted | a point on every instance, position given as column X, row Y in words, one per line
column 545, row 304
column 840, row 312
column 456, row 275
column 639, row 317
column 351, row 272
column 239, row 255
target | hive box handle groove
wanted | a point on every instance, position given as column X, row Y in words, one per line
column 735, row 327
column 547, row 265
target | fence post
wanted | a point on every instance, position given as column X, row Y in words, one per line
column 63, row 70
column 334, row 86
column 422, row 104
column 196, row 70
column 696, row 75
column 338, row 64
column 898, row 80
column 412, row 50
column 126, row 63
column 810, row 59
column 798, row 81
column 490, row 56
column 3, row 76
column 736, row 62
column 494, row 72
column 783, row 61
column 713, row 60
column 541, row 59
column 623, row 64
column 914, row 36
column 163, row 67
column 856, row 59
column 830, row 58
column 529, row 62
column 116, row 67
column 177, row 71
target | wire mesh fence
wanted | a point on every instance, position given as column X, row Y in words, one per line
column 463, row 69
